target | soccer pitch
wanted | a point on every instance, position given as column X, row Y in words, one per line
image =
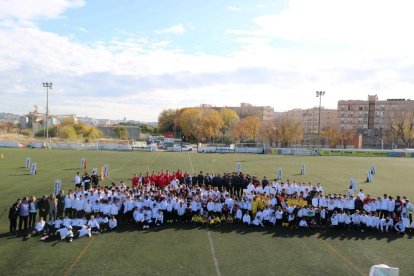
column 185, row 250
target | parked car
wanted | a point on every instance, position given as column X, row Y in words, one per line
column 186, row 148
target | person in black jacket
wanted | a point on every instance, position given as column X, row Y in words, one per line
column 60, row 203
column 87, row 181
column 359, row 204
column 13, row 215
column 95, row 179
column 43, row 207
column 236, row 184
column 200, row 178
column 194, row 179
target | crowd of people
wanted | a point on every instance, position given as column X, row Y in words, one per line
column 157, row 199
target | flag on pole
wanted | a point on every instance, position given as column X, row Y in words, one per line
column 33, row 168
column 28, row 161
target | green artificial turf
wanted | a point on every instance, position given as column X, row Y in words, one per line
column 185, row 250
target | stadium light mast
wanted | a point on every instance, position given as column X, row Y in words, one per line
column 48, row 86
column 319, row 94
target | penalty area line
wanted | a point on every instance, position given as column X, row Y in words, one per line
column 342, row 257
column 76, row 261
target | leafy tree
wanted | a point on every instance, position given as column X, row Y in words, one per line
column 345, row 135
column 332, row 136
column 67, row 132
column 402, row 128
column 211, row 124
column 288, row 131
column 190, row 122
column 247, row 129
column 168, row 120
column 229, row 118
column 68, row 129
column 7, row 127
column 52, row 132
column 121, row 132
column 26, row 132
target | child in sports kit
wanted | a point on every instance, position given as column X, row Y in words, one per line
column 38, row 228
column 84, row 231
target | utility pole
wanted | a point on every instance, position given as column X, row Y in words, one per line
column 48, row 86
column 319, row 94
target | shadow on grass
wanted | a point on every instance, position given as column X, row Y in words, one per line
column 276, row 232
column 22, row 174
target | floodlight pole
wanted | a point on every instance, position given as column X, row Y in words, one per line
column 47, row 85
column 319, row 94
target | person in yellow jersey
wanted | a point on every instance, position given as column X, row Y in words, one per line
column 255, row 204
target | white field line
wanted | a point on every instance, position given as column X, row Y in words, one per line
column 213, row 252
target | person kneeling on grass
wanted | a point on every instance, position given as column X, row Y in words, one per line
column 112, row 224
column 246, row 218
column 303, row 224
column 146, row 222
column 159, row 218
column 94, row 225
column 139, row 217
column 214, row 221
column 400, row 228
column 258, row 219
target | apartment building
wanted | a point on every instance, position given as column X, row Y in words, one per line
column 371, row 115
column 309, row 118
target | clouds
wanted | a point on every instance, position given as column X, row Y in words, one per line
column 344, row 48
column 176, row 29
column 27, row 10
column 376, row 27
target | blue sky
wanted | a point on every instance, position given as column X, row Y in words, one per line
column 125, row 58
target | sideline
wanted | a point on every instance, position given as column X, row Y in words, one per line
column 213, row 252
column 76, row 261
column 343, row 258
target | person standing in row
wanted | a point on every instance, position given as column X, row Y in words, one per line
column 78, row 180
column 52, row 207
column 13, row 215
column 95, row 179
column 60, row 203
column 43, row 206
column 23, row 215
column 32, row 211
column 87, row 181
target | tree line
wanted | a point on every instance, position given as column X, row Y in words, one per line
column 224, row 125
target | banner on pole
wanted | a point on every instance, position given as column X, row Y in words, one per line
column 353, row 184
column 105, row 170
column 58, row 186
column 83, row 164
column 280, row 173
column 303, row 169
column 373, row 169
column 370, row 178
column 33, row 168
column 28, row 161
column 238, row 167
